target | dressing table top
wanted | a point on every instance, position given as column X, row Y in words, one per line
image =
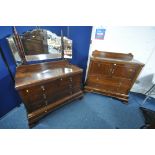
column 30, row 75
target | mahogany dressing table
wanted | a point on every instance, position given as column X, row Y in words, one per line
column 44, row 86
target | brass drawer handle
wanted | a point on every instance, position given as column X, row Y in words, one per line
column 44, row 96
column 46, row 102
column 114, row 64
column 27, row 90
column 42, row 87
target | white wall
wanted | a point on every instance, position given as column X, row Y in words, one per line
column 138, row 40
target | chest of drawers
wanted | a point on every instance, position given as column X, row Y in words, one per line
column 46, row 86
column 112, row 74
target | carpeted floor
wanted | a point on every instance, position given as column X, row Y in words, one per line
column 94, row 111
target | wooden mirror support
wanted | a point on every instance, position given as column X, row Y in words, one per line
column 19, row 46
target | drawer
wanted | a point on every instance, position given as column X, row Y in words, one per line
column 53, row 94
column 72, row 79
column 32, row 94
column 102, row 68
column 124, row 71
column 110, row 84
column 75, row 89
column 104, row 80
column 62, row 83
column 125, row 86
column 103, row 87
column 35, row 106
column 63, row 93
column 39, row 96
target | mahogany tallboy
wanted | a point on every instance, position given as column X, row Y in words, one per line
column 112, row 74
column 45, row 86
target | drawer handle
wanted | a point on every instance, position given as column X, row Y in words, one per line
column 27, row 90
column 46, row 102
column 42, row 87
column 70, row 79
column 61, row 79
column 44, row 96
column 45, row 110
column 114, row 64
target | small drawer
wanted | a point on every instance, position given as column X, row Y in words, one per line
column 125, row 71
column 32, row 94
column 72, row 79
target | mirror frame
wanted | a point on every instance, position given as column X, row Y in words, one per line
column 18, row 51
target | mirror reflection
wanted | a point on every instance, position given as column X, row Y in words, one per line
column 40, row 44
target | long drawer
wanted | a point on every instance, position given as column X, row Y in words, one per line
column 39, row 96
column 64, row 93
column 124, row 71
column 61, row 84
column 113, row 84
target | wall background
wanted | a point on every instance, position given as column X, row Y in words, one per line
column 80, row 35
column 138, row 40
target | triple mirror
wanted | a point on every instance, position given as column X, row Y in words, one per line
column 39, row 44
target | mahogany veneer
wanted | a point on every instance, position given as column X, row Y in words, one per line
column 46, row 86
column 112, row 74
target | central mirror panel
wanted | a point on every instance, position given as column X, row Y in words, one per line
column 41, row 44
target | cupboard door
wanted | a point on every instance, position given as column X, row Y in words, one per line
column 102, row 68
